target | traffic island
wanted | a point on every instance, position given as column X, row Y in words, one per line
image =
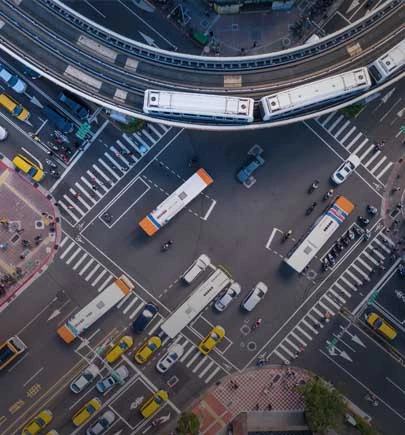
column 29, row 232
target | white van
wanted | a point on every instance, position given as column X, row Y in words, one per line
column 199, row 265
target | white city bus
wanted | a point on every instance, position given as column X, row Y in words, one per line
column 196, row 302
column 107, row 299
column 175, row 202
column 389, row 63
column 306, row 249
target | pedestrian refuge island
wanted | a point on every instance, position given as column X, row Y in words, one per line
column 95, row 309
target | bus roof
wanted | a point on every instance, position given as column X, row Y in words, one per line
column 175, row 202
column 196, row 302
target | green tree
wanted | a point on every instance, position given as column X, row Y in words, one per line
column 324, row 406
column 188, row 424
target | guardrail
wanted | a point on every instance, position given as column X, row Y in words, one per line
column 217, row 64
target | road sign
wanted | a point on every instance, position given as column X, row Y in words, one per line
column 84, row 129
column 372, row 298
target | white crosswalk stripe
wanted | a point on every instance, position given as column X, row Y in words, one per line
column 355, row 142
column 333, row 298
column 99, row 178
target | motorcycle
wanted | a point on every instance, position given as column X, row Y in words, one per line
column 167, row 245
column 363, row 221
column 371, row 210
column 51, row 163
column 54, row 173
column 311, row 208
column 350, row 235
column 328, row 194
column 358, row 231
column 313, row 186
column 287, row 235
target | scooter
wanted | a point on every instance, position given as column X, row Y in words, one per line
column 350, row 235
column 328, row 195
column 51, row 163
column 313, row 186
column 363, row 221
column 371, row 210
column 167, row 245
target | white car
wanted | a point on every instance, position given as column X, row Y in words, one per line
column 86, row 377
column 102, row 424
column 255, row 296
column 199, row 265
column 223, row 301
column 12, row 81
column 173, row 354
column 345, row 169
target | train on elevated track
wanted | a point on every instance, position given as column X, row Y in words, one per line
column 312, row 95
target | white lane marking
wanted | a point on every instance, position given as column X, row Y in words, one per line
column 331, row 301
column 343, row 290
column 337, row 296
column 285, row 350
column 84, row 192
column 335, row 123
column 354, row 277
column 193, row 358
column 202, row 373
column 298, row 338
column 33, row 376
column 378, row 164
column 186, row 354
column 348, row 283
column 371, row 258
column 103, row 272
column 360, row 146
column 361, row 272
column 310, row 327
column 64, row 240
column 213, row 373
column 327, row 309
column 102, row 162
column 86, row 266
column 97, row 266
column 156, row 326
column 209, row 210
column 303, row 332
column 345, row 125
column 286, row 361
column 199, row 364
column 331, row 115
column 395, row 385
column 365, row 265
column 352, row 130
column 128, row 307
column 372, row 159
column 134, row 313
column 80, row 261
column 72, row 257
column 69, row 248
column 384, row 170
column 105, row 283
column 354, row 141
column 314, row 308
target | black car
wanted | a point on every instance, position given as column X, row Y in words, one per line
column 145, row 317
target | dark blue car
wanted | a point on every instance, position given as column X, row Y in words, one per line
column 145, row 317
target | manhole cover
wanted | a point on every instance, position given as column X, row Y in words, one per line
column 39, row 225
column 252, row 346
column 245, row 329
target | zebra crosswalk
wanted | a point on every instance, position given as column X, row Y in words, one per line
column 108, row 170
column 360, row 271
column 94, row 273
column 356, row 142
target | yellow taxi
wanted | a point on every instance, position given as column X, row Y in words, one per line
column 124, row 343
column 150, row 346
column 25, row 165
column 216, row 334
column 38, row 423
column 84, row 413
column 154, row 403
column 381, row 326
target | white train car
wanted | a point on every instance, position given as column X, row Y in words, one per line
column 198, row 106
column 389, row 63
column 315, row 93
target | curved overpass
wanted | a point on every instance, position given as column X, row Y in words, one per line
column 114, row 71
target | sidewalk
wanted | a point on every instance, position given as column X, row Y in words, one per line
column 255, row 390
column 29, row 232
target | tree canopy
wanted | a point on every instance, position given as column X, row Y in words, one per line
column 188, row 424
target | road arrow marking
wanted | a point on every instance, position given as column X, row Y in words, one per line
column 388, row 95
column 354, row 5
column 357, row 340
column 150, row 41
column 54, row 314
column 401, row 112
column 344, row 355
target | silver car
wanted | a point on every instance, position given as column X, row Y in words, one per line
column 231, row 293
column 116, row 377
column 102, row 424
column 86, row 377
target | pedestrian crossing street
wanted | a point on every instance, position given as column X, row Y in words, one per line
column 93, row 272
column 356, row 142
column 107, row 171
column 369, row 261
